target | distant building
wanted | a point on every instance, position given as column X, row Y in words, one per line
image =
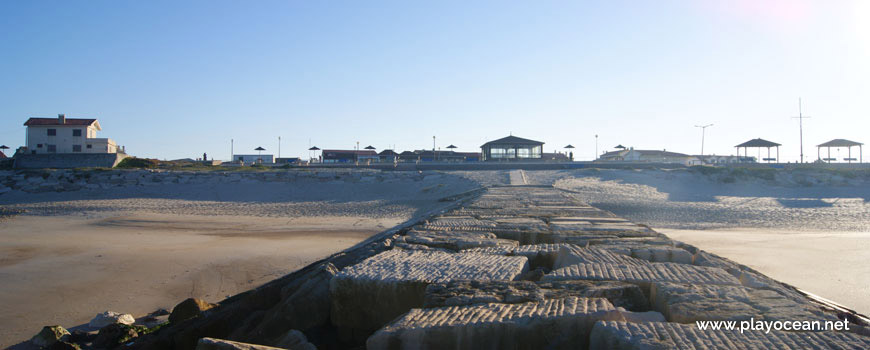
column 287, row 160
column 438, row 156
column 388, row 156
column 349, row 156
column 722, row 160
column 66, row 135
column 556, row 157
column 647, row 156
column 512, row 148
column 254, row 158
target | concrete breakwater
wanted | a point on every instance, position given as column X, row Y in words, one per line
column 518, row 267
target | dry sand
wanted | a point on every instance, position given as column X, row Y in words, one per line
column 134, row 250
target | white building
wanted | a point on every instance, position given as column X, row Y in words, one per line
column 66, row 135
column 722, row 160
column 647, row 156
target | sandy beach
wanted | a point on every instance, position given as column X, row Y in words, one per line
column 74, row 254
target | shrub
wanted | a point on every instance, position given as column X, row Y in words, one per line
column 138, row 163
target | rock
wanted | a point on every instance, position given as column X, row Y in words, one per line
column 109, row 317
column 159, row 312
column 62, row 345
column 359, row 292
column 295, row 340
column 188, row 309
column 662, row 335
column 459, row 293
column 552, row 324
column 219, row 344
column 110, row 335
column 49, row 335
column 80, row 336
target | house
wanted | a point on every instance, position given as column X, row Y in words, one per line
column 66, row 135
column 647, row 156
column 512, row 148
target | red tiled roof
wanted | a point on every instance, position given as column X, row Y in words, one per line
column 55, row 121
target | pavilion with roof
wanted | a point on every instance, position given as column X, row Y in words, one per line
column 839, row 143
column 759, row 143
column 512, row 148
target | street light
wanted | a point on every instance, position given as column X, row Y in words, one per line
column 703, row 128
column 596, row 148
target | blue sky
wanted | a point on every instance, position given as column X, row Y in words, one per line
column 172, row 79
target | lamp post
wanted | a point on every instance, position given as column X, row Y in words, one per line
column 703, row 128
column 434, row 155
column 596, row 148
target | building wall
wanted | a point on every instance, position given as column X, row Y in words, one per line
column 63, row 141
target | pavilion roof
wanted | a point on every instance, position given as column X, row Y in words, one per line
column 758, row 143
column 840, row 143
column 513, row 140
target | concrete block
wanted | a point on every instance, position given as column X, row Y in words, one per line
column 368, row 295
column 661, row 335
column 551, row 324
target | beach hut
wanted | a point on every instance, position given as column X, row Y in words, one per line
column 838, row 143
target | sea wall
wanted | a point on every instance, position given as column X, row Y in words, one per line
column 68, row 160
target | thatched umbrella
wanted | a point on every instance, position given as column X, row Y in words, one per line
column 2, row 148
column 259, row 153
column 451, row 147
column 369, row 147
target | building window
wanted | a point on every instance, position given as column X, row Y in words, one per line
column 77, row 148
column 77, row 132
column 52, row 132
column 90, row 146
column 38, row 145
column 52, row 148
